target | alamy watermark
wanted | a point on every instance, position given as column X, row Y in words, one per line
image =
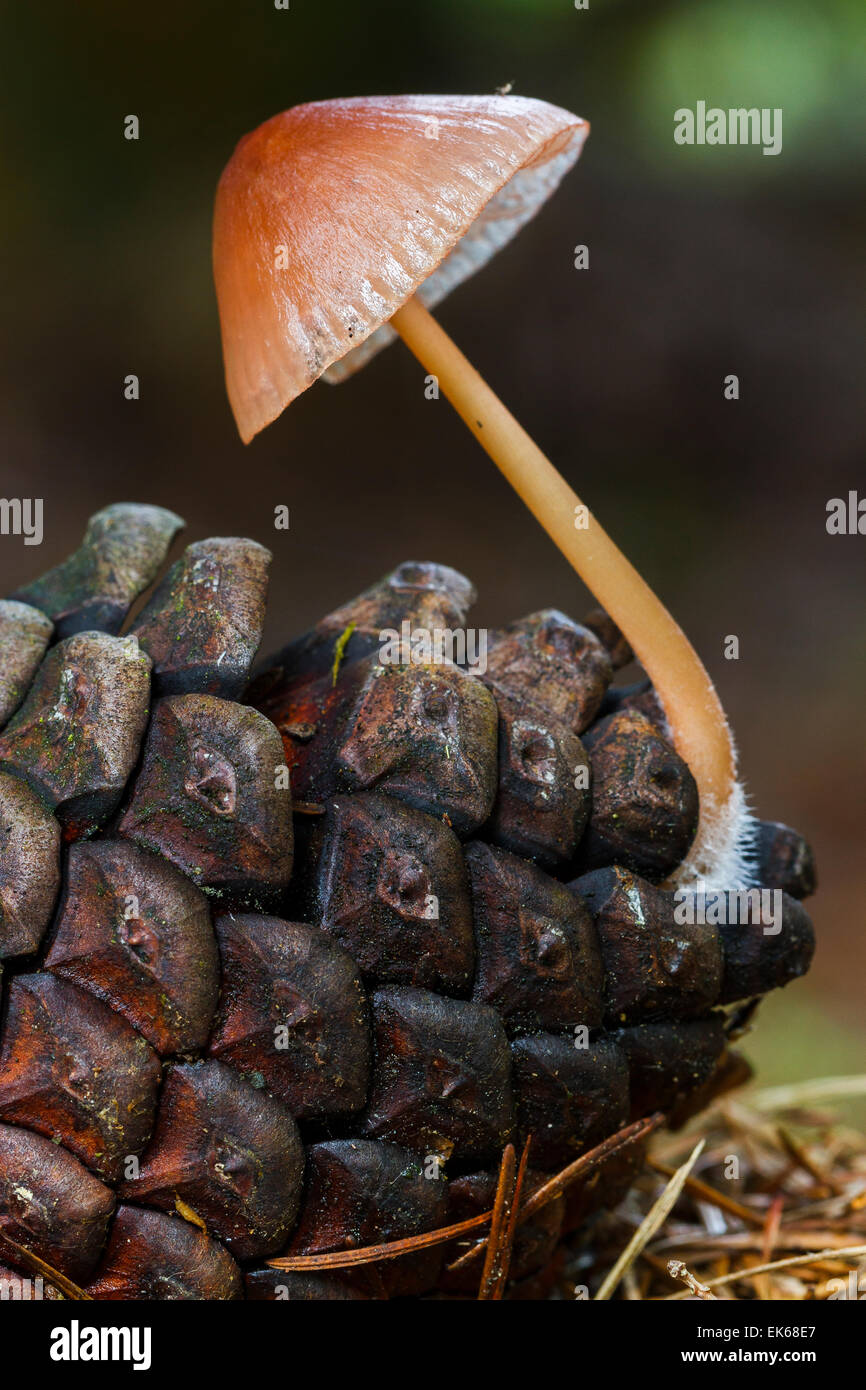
column 77, row 1343
column 738, row 125
column 846, row 516
column 22, row 516
column 731, row 907
column 852, row 1289
column 434, row 646
column 20, row 1288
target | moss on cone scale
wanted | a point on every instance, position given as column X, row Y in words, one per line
column 195, row 644
column 29, row 869
column 76, row 737
column 24, row 635
column 119, row 557
column 262, row 1059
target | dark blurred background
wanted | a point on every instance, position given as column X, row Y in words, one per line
column 703, row 262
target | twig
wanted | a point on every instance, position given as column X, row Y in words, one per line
column 852, row 1252
column 677, row 1270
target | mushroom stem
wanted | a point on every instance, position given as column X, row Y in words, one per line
column 692, row 707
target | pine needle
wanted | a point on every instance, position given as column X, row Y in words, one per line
column 807, row 1092
column 498, row 1253
column 654, row 1218
column 38, row 1266
column 554, row 1187
column 706, row 1193
column 370, row 1254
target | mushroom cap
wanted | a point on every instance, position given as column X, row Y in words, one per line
column 332, row 215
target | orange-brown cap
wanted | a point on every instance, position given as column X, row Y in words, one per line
column 330, row 216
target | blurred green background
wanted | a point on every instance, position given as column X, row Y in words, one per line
column 703, row 261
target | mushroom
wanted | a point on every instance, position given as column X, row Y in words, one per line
column 338, row 225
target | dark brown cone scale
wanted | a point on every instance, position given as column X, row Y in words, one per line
column 553, row 662
column 24, row 635
column 428, row 596
column 392, row 890
column 29, row 867
column 72, row 1069
column 785, row 860
column 538, row 962
column 543, row 798
column 604, row 1188
column 639, row 698
column 424, row 734
column 293, row 1013
column 310, row 715
column 644, row 799
column 610, row 637
column 440, row 1081
column 210, row 796
column 76, row 738
column 568, row 1097
column 122, row 551
column 154, row 1256
column 202, row 627
column 669, row 1061
column 731, row 1071
column 653, row 965
column 762, row 953
column 136, row 933
column 361, row 1192
column 541, row 1284
column 227, row 1150
column 51, row 1204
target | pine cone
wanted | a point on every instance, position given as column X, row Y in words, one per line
column 232, row 1033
